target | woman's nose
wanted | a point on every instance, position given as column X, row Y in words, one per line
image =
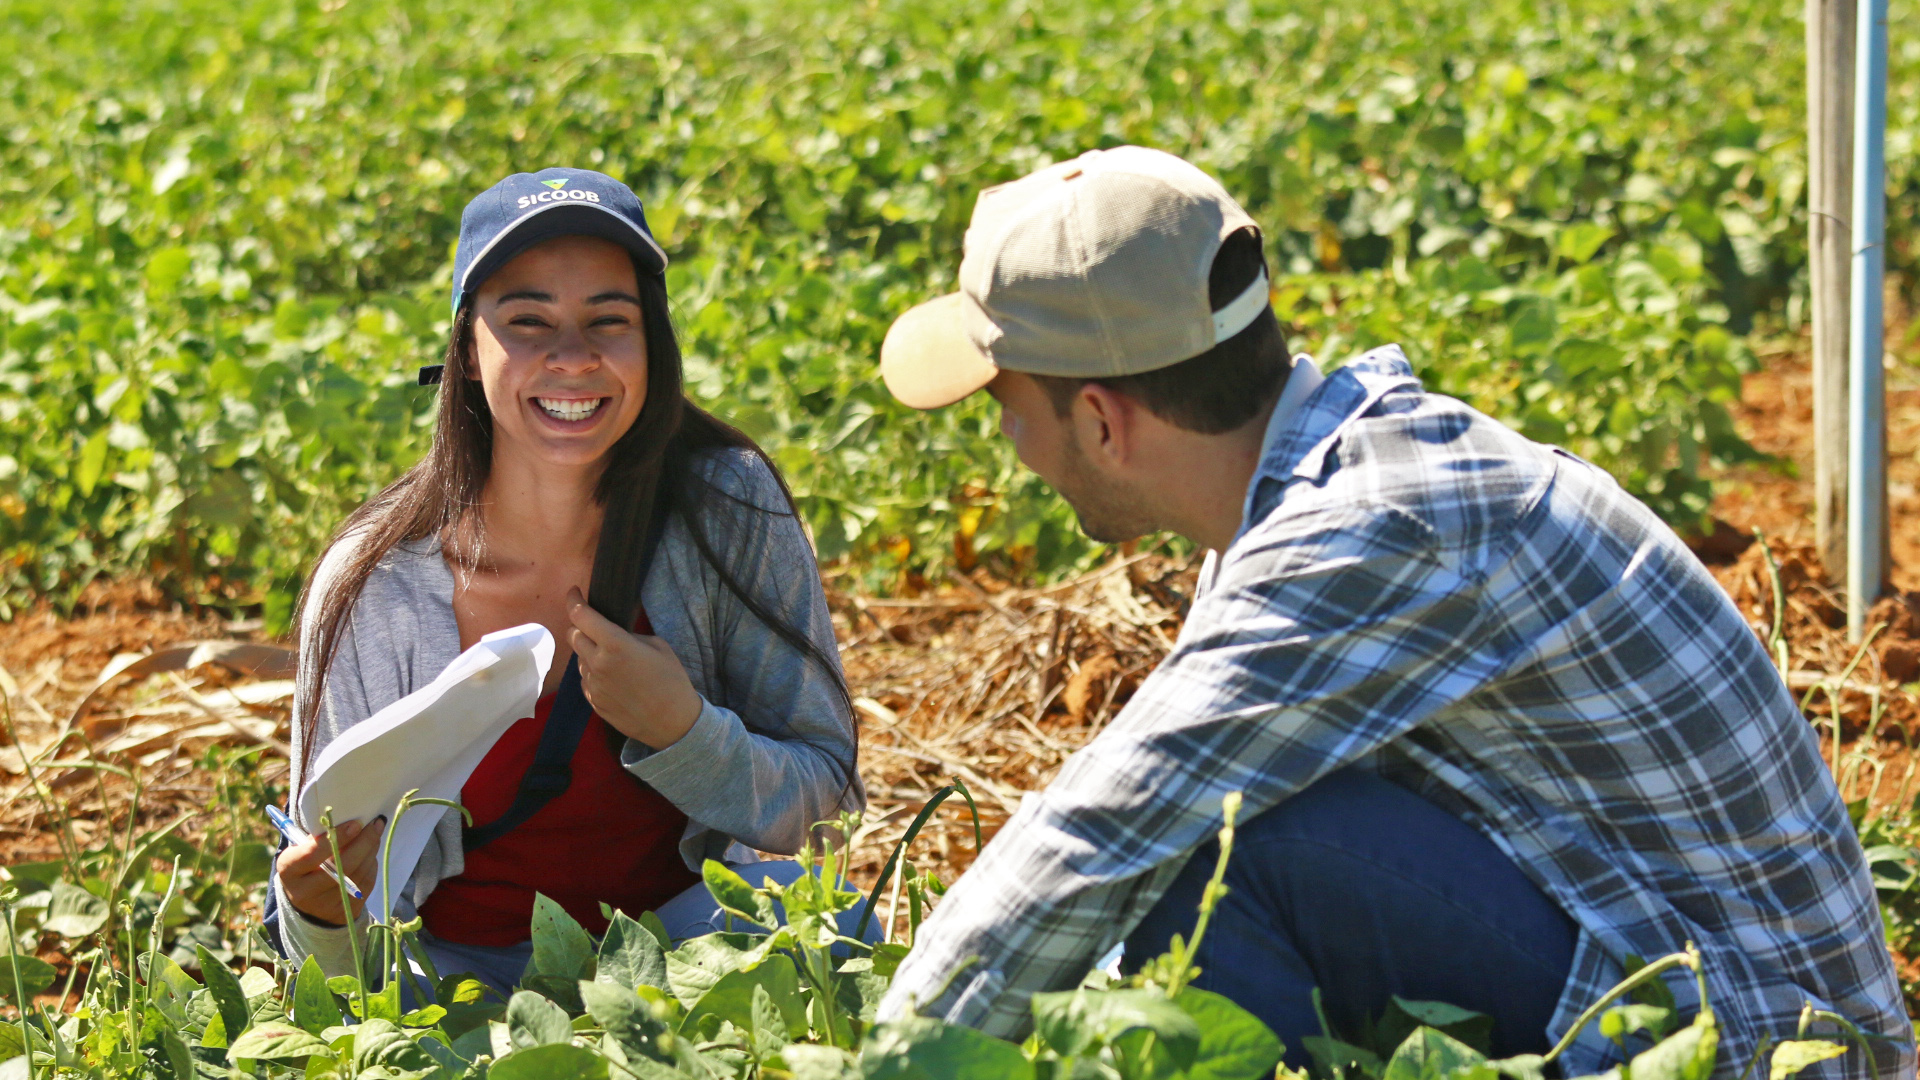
column 571, row 351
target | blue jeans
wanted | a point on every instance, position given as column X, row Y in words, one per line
column 1366, row 890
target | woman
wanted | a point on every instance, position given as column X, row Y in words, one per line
column 571, row 483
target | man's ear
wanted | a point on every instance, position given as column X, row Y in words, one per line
column 1107, row 423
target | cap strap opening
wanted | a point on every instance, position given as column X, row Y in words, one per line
column 1245, row 308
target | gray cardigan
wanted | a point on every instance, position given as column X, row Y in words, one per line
column 771, row 754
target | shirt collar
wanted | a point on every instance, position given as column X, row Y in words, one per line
column 1302, row 381
column 1310, row 417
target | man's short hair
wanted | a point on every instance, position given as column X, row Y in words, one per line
column 1222, row 388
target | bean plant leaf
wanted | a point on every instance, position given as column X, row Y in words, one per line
column 473, row 1042
column 1796, row 1054
column 561, row 947
column 811, row 1061
column 733, row 893
column 469, row 1004
column 731, row 997
column 1522, row 1067
column 561, row 991
column 423, row 1017
column 552, row 1062
column 170, row 989
column 1234, row 1043
column 1687, row 1054
column 623, row 1016
column 1656, row 993
column 630, row 956
column 532, row 1020
column 771, row 1029
column 381, row 1043
column 73, row 912
column 36, row 975
column 196, row 1016
column 1403, row 1017
column 1578, row 243
column 383, row 1004
column 859, row 994
column 1622, row 1021
column 694, row 967
column 227, row 994
column 917, row 1048
column 258, row 985
column 1331, row 1054
column 178, row 1057
column 651, row 923
column 276, row 1042
column 313, row 1006
column 1072, row 1022
column 1430, row 1054
column 442, row 1054
column 887, row 957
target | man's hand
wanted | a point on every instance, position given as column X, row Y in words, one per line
column 312, row 890
column 634, row 682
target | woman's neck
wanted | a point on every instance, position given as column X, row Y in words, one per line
column 538, row 515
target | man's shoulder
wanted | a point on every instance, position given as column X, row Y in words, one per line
column 1412, row 463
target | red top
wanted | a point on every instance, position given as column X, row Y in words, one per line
column 608, row 837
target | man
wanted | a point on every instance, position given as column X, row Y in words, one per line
column 1497, row 730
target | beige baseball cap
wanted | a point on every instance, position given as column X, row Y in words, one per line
column 1089, row 268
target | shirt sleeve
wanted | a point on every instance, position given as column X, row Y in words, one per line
column 778, row 756
column 1320, row 640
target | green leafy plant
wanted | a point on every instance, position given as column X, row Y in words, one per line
column 225, row 240
column 784, row 996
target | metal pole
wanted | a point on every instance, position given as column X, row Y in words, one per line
column 1866, row 413
column 1830, row 45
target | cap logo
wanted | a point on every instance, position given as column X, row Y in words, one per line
column 558, row 192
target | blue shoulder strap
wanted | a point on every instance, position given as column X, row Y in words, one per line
column 552, row 768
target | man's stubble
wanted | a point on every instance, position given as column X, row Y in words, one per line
column 1109, row 512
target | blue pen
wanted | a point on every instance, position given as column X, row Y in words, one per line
column 295, row 834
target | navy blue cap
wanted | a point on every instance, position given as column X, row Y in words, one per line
column 527, row 208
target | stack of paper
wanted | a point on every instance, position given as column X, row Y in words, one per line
column 432, row 740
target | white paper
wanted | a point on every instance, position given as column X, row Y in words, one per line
column 432, row 740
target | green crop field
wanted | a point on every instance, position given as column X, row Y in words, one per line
column 226, row 228
column 225, row 240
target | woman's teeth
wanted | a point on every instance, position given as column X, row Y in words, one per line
column 569, row 409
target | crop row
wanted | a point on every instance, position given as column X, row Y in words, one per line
column 226, row 228
column 790, row 999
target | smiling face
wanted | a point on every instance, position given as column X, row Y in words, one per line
column 560, row 350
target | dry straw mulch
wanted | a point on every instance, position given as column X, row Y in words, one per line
column 990, row 684
column 995, row 686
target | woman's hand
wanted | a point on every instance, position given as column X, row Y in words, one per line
column 634, row 682
column 312, row 890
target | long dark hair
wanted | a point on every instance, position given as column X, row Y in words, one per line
column 650, row 477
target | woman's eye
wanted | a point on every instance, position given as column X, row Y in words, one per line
column 526, row 320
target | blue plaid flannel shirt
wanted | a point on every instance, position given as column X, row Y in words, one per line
column 1494, row 623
